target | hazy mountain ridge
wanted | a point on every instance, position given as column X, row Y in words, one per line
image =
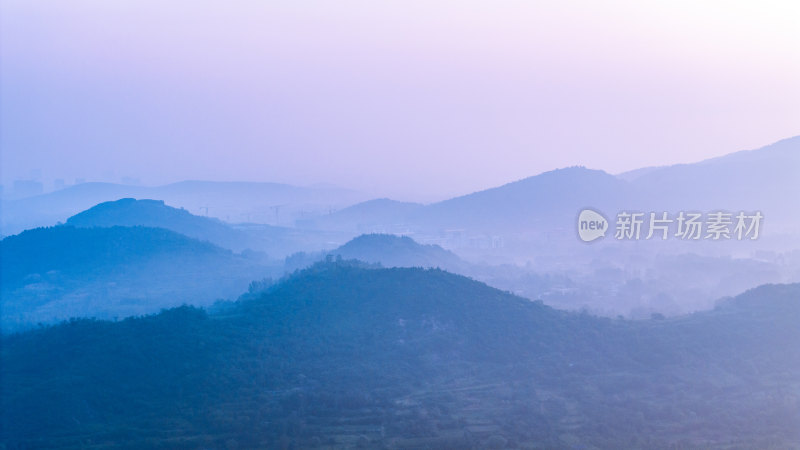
column 339, row 355
column 521, row 236
column 633, row 295
column 154, row 213
column 271, row 203
column 784, row 149
column 78, row 249
column 531, row 223
column 540, row 200
column 762, row 179
column 51, row 274
column 386, row 250
column 397, row 251
column 545, row 200
column 274, row 241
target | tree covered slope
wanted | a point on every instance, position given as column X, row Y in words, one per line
column 340, row 355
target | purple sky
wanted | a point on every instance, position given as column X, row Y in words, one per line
column 417, row 100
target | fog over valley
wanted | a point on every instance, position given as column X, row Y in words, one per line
column 399, row 225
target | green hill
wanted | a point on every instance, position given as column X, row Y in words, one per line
column 340, row 356
column 154, row 213
column 273, row 240
column 397, row 251
column 60, row 272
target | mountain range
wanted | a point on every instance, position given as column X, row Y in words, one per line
column 57, row 273
column 365, row 342
column 107, row 288
column 233, row 202
column 154, row 213
column 131, row 257
column 275, row 241
column 342, row 356
column 764, row 179
column 398, row 251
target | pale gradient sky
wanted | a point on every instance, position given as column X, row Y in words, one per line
column 416, row 100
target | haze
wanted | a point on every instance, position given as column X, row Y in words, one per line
column 417, row 100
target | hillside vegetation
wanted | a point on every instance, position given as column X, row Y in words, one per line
column 341, row 355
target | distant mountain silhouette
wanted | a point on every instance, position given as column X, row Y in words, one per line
column 386, row 250
column 234, row 202
column 398, row 251
column 339, row 355
column 549, row 199
column 775, row 154
column 764, row 179
column 60, row 272
column 154, row 213
column 275, row 241
column 545, row 205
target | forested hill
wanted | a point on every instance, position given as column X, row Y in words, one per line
column 51, row 274
column 398, row 251
column 154, row 213
column 80, row 250
column 339, row 356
